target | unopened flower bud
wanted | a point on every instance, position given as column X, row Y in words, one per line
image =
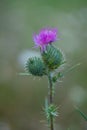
column 52, row 57
column 35, row 66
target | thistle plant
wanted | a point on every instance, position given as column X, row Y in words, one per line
column 48, row 65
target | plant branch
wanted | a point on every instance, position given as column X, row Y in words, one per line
column 50, row 94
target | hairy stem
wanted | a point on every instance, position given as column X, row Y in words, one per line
column 50, row 94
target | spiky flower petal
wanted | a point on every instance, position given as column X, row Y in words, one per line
column 46, row 36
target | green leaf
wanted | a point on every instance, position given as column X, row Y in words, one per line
column 24, row 74
column 57, row 76
column 46, row 104
column 71, row 68
column 81, row 113
column 61, row 74
column 50, row 110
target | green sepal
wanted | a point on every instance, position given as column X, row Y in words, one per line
column 35, row 66
column 52, row 57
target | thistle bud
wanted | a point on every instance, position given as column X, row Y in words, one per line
column 35, row 66
column 53, row 57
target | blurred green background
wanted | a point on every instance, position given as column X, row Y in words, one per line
column 22, row 97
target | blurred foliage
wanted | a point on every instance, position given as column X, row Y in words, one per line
column 81, row 113
column 22, row 97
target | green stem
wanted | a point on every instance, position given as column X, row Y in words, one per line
column 50, row 94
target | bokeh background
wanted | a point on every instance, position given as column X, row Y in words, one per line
column 22, row 97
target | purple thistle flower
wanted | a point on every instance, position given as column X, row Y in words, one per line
column 45, row 37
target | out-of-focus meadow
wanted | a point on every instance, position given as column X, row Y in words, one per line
column 22, row 97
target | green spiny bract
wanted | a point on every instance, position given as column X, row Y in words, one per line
column 52, row 57
column 35, row 66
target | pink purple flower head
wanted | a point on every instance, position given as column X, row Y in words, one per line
column 46, row 36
